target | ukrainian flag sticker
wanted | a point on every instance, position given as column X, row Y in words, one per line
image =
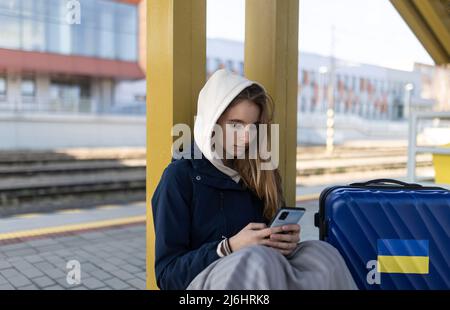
column 403, row 256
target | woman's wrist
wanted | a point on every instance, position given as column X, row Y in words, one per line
column 227, row 246
column 224, row 248
column 232, row 244
column 220, row 251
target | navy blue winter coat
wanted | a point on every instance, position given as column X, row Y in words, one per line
column 194, row 206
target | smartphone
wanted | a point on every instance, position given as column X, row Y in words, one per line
column 286, row 216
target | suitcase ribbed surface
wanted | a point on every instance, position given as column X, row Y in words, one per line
column 403, row 232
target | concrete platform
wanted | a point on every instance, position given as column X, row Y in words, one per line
column 111, row 258
column 108, row 242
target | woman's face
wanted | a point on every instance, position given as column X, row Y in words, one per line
column 236, row 124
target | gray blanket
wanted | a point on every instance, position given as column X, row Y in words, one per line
column 314, row 265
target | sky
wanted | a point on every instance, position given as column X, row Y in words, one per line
column 366, row 31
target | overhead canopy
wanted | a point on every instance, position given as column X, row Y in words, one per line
column 24, row 61
column 430, row 22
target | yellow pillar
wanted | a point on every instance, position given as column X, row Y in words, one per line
column 271, row 58
column 176, row 71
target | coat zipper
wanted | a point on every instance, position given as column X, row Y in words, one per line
column 223, row 215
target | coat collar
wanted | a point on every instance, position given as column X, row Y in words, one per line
column 206, row 173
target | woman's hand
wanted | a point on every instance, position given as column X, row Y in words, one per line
column 253, row 234
column 285, row 242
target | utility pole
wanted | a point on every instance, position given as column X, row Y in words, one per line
column 330, row 110
column 407, row 109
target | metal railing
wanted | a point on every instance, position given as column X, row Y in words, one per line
column 52, row 106
column 413, row 149
column 77, row 106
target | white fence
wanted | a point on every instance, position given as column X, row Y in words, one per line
column 413, row 149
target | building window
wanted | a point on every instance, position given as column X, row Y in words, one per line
column 126, row 32
column 241, row 67
column 219, row 64
column 230, row 65
column 312, row 79
column 303, row 104
column 10, row 37
column 28, row 87
column 70, row 89
column 108, row 29
column 305, row 79
column 2, row 86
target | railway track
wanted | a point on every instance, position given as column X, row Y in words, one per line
column 43, row 180
column 38, row 181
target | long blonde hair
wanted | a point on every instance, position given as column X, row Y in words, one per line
column 265, row 184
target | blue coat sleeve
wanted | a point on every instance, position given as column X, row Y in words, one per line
column 176, row 264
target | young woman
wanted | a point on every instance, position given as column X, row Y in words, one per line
column 211, row 211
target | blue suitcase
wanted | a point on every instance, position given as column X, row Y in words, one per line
column 392, row 235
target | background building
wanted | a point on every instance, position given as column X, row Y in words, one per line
column 58, row 76
column 89, row 78
column 369, row 102
column 368, row 91
column 51, row 65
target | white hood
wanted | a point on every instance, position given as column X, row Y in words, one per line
column 220, row 89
